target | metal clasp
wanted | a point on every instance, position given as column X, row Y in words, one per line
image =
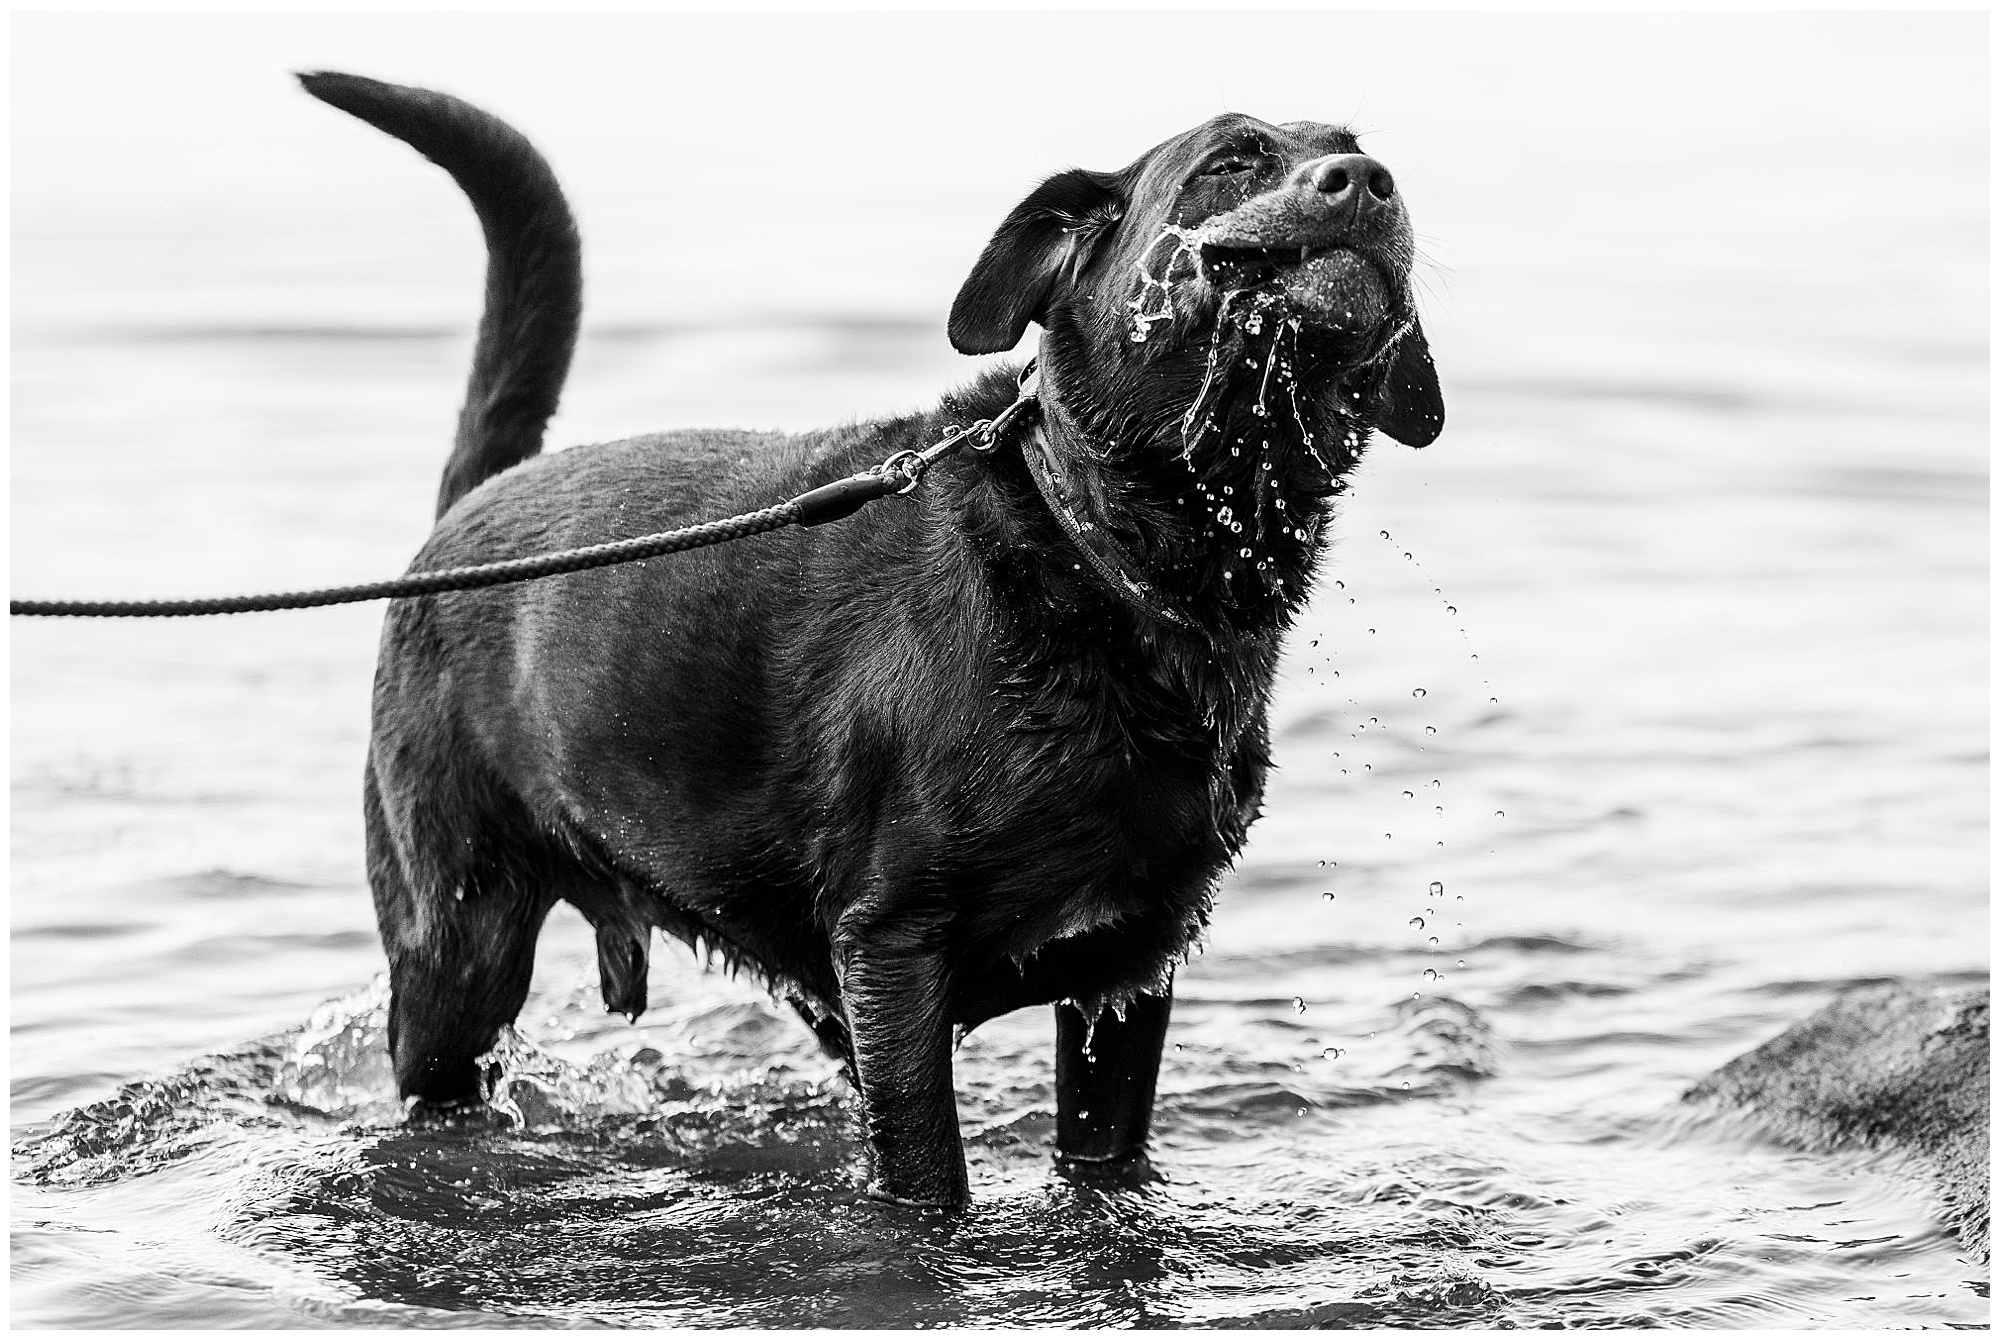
column 910, row 465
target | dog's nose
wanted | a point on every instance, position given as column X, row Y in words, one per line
column 1348, row 181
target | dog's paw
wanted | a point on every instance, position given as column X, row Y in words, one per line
column 1122, row 1172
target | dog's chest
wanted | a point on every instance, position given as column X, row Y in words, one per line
column 1077, row 838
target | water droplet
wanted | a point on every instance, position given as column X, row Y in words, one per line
column 1299, row 1004
column 1331, row 1053
column 1428, row 730
column 1431, row 975
column 1409, row 795
column 1437, row 887
column 1499, row 814
column 1328, row 896
column 1417, row 922
column 1416, row 693
column 1451, row 609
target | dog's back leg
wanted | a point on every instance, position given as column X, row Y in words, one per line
column 1106, row 1071
column 460, row 960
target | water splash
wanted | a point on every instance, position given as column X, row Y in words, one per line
column 1155, row 302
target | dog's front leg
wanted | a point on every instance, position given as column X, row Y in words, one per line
column 1105, row 1077
column 893, row 986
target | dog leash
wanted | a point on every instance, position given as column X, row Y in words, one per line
column 1068, row 497
column 899, row 474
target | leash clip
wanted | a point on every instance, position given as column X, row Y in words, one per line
column 910, row 465
column 987, row 432
column 983, row 437
column 1030, row 383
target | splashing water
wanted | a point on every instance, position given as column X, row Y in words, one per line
column 1155, row 302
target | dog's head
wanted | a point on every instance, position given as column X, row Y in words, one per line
column 1234, row 263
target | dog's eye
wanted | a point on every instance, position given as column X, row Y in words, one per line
column 1224, row 167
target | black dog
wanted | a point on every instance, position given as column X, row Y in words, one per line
column 985, row 747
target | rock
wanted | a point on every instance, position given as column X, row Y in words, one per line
column 1897, row 1065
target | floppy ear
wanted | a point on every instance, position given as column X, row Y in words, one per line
column 1054, row 228
column 1403, row 399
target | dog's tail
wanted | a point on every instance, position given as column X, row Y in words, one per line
column 534, row 267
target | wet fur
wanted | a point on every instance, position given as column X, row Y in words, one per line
column 915, row 769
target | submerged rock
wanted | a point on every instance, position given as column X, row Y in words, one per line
column 1902, row 1066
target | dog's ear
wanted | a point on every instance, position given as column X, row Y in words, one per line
column 1048, row 234
column 1402, row 399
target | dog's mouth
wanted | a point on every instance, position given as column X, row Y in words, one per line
column 1332, row 289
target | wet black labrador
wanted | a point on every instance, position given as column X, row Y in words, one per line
column 987, row 746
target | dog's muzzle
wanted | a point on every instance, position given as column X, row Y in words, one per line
column 1316, row 240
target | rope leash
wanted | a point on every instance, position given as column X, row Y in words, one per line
column 899, row 474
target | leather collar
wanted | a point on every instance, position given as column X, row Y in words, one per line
column 1059, row 457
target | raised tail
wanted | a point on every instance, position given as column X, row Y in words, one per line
column 534, row 267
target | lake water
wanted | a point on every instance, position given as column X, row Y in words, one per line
column 1632, row 721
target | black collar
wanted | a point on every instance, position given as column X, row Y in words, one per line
column 1061, row 461
column 1059, row 457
